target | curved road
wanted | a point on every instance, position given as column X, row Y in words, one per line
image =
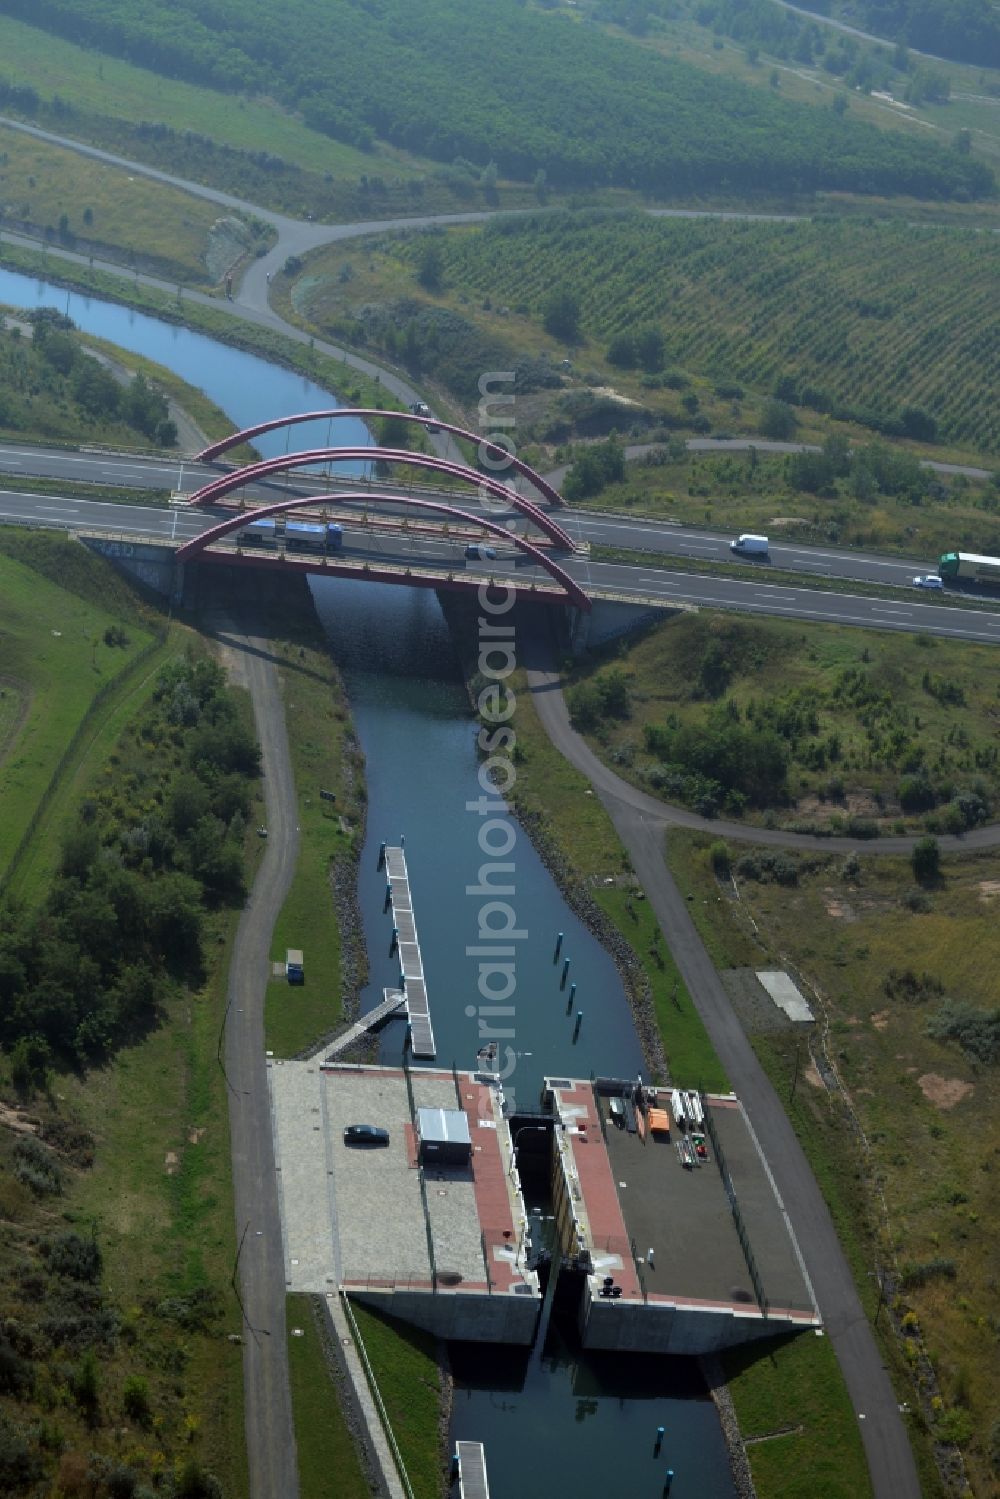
column 640, row 827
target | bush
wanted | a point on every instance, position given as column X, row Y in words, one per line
column 926, row 861
column 769, row 868
column 37, row 1167
column 135, row 1398
column 977, row 1031
column 719, row 857
column 79, row 1259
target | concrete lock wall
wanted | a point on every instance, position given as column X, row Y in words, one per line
column 629, row 1327
column 461, row 1317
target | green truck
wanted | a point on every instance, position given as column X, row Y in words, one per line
column 969, row 567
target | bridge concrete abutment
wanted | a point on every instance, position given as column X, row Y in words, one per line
column 152, row 565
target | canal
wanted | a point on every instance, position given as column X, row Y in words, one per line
column 556, row 1421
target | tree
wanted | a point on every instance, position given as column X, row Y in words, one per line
column 430, row 266
column 778, row 421
column 622, row 352
column 926, row 861
column 561, row 316
column 650, row 347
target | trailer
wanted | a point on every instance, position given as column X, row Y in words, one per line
column 969, row 567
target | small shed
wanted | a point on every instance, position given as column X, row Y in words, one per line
column 444, row 1137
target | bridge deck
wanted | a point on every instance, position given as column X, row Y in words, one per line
column 472, row 1480
column 410, row 961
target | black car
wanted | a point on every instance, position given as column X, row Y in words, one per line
column 365, row 1134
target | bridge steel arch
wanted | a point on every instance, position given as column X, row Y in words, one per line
column 366, row 413
column 224, row 485
column 192, row 549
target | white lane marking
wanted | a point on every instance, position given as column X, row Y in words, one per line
column 777, row 598
column 877, row 610
column 56, row 510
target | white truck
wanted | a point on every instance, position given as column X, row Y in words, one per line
column 749, row 545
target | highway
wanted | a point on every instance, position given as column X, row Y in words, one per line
column 660, row 538
column 645, row 581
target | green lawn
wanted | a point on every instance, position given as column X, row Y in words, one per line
column 166, row 229
column 796, row 1417
column 406, row 1369
column 329, row 1465
column 55, row 662
column 325, row 757
column 99, row 83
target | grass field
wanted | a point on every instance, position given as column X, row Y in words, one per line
column 877, row 968
column 742, row 304
column 325, row 757
column 752, row 492
column 889, row 728
column 95, row 83
column 130, row 216
column 329, row 1467
column 406, row 1370
column 55, row 661
column 796, row 1418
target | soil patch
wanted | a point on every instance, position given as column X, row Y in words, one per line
column 943, row 1092
column 880, row 1019
column 988, row 890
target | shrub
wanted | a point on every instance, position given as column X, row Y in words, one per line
column 926, row 861
column 135, row 1398
column 977, row 1031
column 719, row 856
column 37, row 1167
column 79, row 1259
column 769, row 868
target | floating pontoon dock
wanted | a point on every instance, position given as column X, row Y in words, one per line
column 412, row 987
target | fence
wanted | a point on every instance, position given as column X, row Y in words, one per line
column 741, row 1232
column 377, row 1396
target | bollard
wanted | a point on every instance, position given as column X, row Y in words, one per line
column 388, row 896
column 668, row 1481
column 565, row 972
column 402, row 840
column 455, row 1465
column 572, row 993
column 559, row 943
column 381, row 855
column 579, row 1022
column 569, row 1005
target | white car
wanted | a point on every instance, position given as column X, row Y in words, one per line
column 928, row 580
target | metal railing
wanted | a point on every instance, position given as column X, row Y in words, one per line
column 741, row 1230
column 377, row 1396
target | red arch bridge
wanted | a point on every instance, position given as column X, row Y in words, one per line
column 413, row 569
column 205, row 548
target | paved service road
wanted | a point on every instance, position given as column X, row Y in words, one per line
column 270, row 1432
column 887, row 1448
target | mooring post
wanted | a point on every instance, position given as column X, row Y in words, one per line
column 565, row 972
column 381, row 855
column 559, row 943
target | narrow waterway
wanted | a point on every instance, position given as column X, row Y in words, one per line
column 555, row 1421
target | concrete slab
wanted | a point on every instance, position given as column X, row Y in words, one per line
column 785, row 994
